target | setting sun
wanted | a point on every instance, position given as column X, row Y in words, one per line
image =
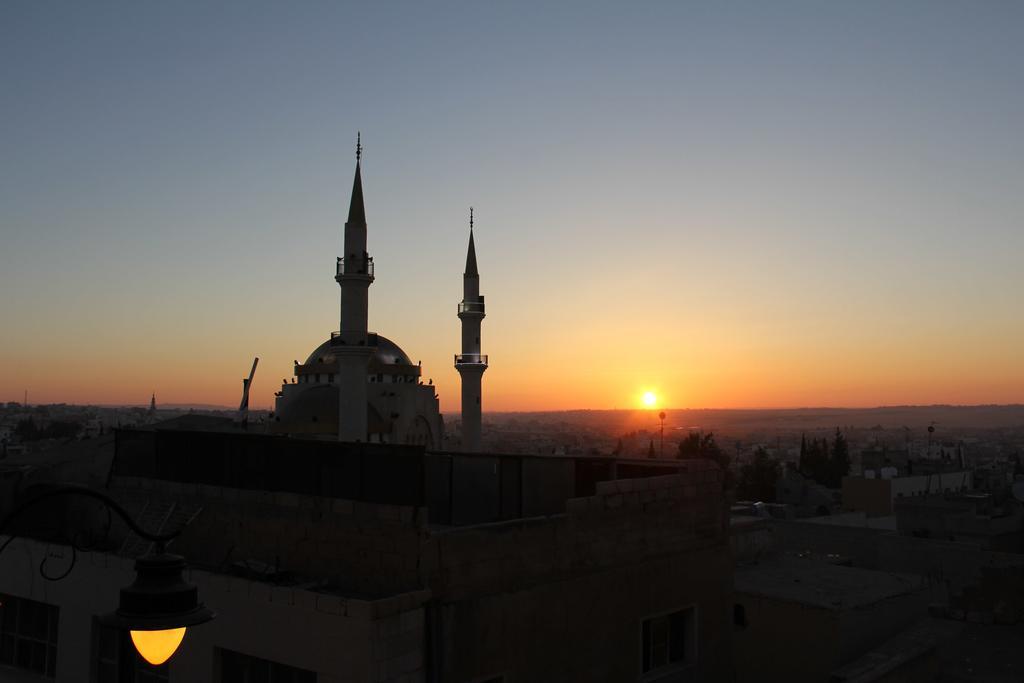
column 649, row 399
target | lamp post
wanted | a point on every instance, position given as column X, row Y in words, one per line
column 159, row 605
column 661, row 416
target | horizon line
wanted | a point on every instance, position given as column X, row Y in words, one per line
column 207, row 406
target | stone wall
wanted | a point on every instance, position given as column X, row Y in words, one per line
column 562, row 598
column 784, row 641
column 556, row 597
column 343, row 639
column 364, row 548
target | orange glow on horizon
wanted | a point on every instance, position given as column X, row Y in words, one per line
column 718, row 364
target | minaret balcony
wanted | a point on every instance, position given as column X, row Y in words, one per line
column 471, row 359
column 363, row 266
column 472, row 306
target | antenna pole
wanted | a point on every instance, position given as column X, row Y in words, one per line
column 661, row 416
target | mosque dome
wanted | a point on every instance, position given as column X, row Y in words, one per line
column 312, row 406
column 386, row 353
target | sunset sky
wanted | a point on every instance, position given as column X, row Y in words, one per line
column 728, row 204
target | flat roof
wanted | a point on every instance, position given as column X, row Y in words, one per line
column 817, row 583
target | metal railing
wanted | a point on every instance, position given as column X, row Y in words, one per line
column 362, row 266
column 471, row 359
column 471, row 306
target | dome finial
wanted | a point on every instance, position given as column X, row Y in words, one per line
column 359, row 146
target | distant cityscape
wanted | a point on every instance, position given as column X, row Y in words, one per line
column 983, row 434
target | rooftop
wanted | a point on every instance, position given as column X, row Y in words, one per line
column 819, row 583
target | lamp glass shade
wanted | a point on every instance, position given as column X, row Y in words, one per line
column 158, row 606
column 156, row 647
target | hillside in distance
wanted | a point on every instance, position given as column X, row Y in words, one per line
column 946, row 418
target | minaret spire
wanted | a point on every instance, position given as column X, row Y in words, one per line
column 471, row 252
column 471, row 364
column 356, row 210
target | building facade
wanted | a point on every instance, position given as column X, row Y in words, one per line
column 334, row 562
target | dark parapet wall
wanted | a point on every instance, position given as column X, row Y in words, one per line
column 352, row 471
column 458, row 489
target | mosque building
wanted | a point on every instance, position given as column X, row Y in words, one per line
column 361, row 386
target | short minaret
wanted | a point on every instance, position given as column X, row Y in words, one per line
column 471, row 363
column 354, row 273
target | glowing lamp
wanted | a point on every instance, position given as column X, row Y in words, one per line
column 156, row 647
column 158, row 607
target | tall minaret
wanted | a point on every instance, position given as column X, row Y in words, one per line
column 354, row 273
column 470, row 363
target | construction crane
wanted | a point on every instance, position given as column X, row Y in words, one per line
column 243, row 407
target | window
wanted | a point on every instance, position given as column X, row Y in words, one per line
column 739, row 615
column 238, row 668
column 117, row 661
column 28, row 635
column 668, row 640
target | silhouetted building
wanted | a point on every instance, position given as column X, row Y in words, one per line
column 876, row 493
column 797, row 619
column 337, row 562
column 357, row 385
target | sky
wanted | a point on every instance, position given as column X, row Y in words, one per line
column 729, row 204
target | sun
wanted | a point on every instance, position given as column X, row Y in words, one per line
column 649, row 399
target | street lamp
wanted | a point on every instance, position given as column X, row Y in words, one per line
column 159, row 605
column 661, row 416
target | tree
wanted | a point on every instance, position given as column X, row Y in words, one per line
column 814, row 459
column 839, row 461
column 757, row 478
column 823, row 463
column 697, row 445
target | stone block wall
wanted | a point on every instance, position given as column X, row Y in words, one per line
column 563, row 598
column 341, row 638
column 366, row 548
